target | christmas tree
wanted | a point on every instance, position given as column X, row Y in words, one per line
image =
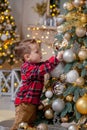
column 64, row 98
column 8, row 33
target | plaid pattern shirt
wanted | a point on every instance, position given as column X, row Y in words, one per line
column 32, row 76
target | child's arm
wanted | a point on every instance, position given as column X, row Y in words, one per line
column 45, row 67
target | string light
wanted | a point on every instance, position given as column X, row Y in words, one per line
column 44, row 33
column 46, row 36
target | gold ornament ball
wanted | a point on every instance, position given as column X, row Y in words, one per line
column 81, row 105
column 69, row 98
column 5, row 89
column 23, row 125
column 82, row 54
column 84, row 19
column 80, row 31
column 80, row 81
column 42, row 126
column 49, row 113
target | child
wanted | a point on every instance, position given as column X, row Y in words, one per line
column 32, row 75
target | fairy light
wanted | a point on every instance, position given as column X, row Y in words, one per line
column 28, row 28
column 28, row 35
column 45, row 34
column 49, row 47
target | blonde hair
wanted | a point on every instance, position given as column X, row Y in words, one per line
column 23, row 48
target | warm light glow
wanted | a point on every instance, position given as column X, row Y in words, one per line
column 0, row 48
column 28, row 28
column 6, row 17
column 48, row 33
column 28, row 35
column 5, row 46
column 11, row 56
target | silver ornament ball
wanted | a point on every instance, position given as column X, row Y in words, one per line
column 68, row 55
column 73, row 127
column 72, row 76
column 42, row 126
column 58, row 105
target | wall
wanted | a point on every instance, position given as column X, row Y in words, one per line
column 24, row 15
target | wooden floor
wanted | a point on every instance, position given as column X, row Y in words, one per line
column 7, row 111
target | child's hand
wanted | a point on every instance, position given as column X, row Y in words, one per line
column 60, row 55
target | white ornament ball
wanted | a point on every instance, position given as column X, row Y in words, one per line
column 60, row 19
column 60, row 29
column 68, row 55
column 58, row 105
column 58, row 70
column 72, row 76
column 65, row 5
column 48, row 93
column 3, row 37
column 73, row 127
column 76, row 3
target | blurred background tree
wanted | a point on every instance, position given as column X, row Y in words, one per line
column 8, row 33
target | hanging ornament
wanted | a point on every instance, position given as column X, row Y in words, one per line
column 65, row 5
column 81, row 105
column 68, row 55
column 60, row 19
column 67, row 36
column 80, row 31
column 62, row 77
column 23, row 126
column 59, row 69
column 77, row 3
column 3, row 37
column 80, row 81
column 42, row 126
column 49, row 113
column 82, row 54
column 5, row 89
column 60, row 29
column 83, row 18
column 69, row 98
column 73, row 127
column 49, row 94
column 69, row 6
column 58, row 88
column 72, row 76
column 58, row 105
